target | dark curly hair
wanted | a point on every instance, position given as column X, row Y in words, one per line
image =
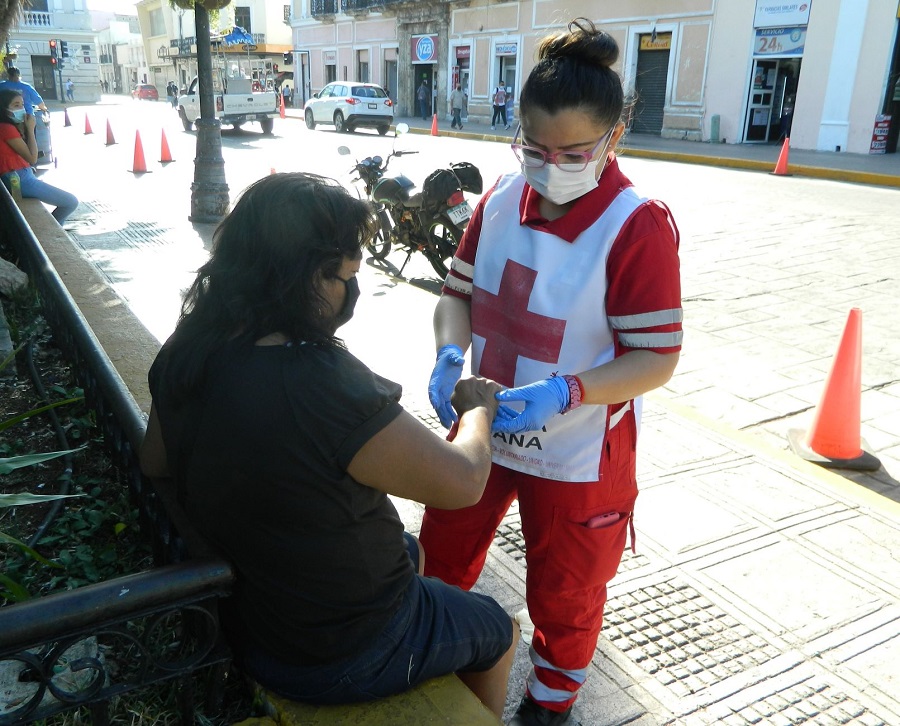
column 574, row 70
column 286, row 233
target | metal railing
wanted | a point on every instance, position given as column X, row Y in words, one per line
column 84, row 646
column 332, row 7
column 324, row 7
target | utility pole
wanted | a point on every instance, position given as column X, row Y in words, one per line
column 209, row 192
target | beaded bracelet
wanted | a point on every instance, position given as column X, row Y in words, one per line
column 576, row 392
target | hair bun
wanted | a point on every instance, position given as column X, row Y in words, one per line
column 583, row 42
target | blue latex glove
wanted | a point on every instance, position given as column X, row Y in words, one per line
column 543, row 400
column 447, row 371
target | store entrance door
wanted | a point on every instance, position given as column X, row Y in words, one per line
column 770, row 107
column 650, row 83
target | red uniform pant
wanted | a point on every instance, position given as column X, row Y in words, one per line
column 568, row 564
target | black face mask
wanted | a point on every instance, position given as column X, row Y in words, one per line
column 346, row 312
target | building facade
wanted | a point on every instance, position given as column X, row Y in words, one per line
column 68, row 24
column 741, row 71
column 121, row 53
column 170, row 46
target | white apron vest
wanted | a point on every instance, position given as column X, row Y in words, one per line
column 538, row 308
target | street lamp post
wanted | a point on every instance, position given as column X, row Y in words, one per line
column 209, row 192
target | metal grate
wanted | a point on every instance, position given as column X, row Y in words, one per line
column 677, row 635
column 812, row 701
column 143, row 233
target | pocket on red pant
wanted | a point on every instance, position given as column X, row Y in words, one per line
column 582, row 557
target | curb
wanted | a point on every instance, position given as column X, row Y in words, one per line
column 816, row 172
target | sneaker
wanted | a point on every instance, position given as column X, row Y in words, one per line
column 506, row 127
column 493, row 127
column 533, row 714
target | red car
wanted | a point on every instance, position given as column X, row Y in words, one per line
column 145, row 90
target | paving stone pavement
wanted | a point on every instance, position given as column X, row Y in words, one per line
column 763, row 589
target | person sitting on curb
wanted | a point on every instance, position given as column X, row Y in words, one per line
column 19, row 151
column 329, row 605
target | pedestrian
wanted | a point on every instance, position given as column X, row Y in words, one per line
column 70, row 89
column 423, row 95
column 499, row 101
column 172, row 93
column 19, row 151
column 342, row 613
column 566, row 285
column 30, row 96
column 286, row 94
column 456, row 105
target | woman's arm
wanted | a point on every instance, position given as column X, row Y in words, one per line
column 453, row 322
column 628, row 376
column 154, row 462
column 27, row 147
column 408, row 460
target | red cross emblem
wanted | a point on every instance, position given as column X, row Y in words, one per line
column 509, row 329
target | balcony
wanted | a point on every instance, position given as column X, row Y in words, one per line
column 35, row 19
column 324, row 7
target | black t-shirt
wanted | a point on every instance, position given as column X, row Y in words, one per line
column 261, row 454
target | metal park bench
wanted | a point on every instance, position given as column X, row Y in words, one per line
column 85, row 646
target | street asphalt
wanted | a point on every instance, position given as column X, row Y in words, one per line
column 763, row 588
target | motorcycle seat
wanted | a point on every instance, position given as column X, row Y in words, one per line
column 415, row 201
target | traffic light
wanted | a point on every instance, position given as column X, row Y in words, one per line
column 54, row 58
column 289, row 59
column 63, row 49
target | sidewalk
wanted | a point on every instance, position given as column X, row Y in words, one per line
column 763, row 589
column 878, row 169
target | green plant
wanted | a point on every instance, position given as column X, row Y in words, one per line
column 12, row 589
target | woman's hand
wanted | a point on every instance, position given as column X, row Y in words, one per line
column 474, row 392
column 30, row 122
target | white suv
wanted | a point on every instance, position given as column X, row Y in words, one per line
column 349, row 106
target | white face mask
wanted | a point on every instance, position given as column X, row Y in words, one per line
column 561, row 187
column 17, row 115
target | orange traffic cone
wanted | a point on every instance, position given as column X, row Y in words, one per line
column 833, row 439
column 781, row 165
column 66, row 117
column 140, row 165
column 110, row 139
column 165, row 155
column 281, row 105
column 87, row 125
column 434, row 131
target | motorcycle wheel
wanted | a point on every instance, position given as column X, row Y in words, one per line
column 443, row 238
column 380, row 246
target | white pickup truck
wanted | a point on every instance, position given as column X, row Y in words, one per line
column 236, row 103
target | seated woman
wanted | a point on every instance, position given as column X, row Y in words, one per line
column 284, row 447
column 19, row 150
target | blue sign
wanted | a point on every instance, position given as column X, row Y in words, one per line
column 424, row 49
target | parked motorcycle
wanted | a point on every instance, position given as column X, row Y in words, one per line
column 429, row 220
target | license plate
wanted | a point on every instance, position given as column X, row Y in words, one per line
column 251, row 117
column 373, row 105
column 460, row 213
